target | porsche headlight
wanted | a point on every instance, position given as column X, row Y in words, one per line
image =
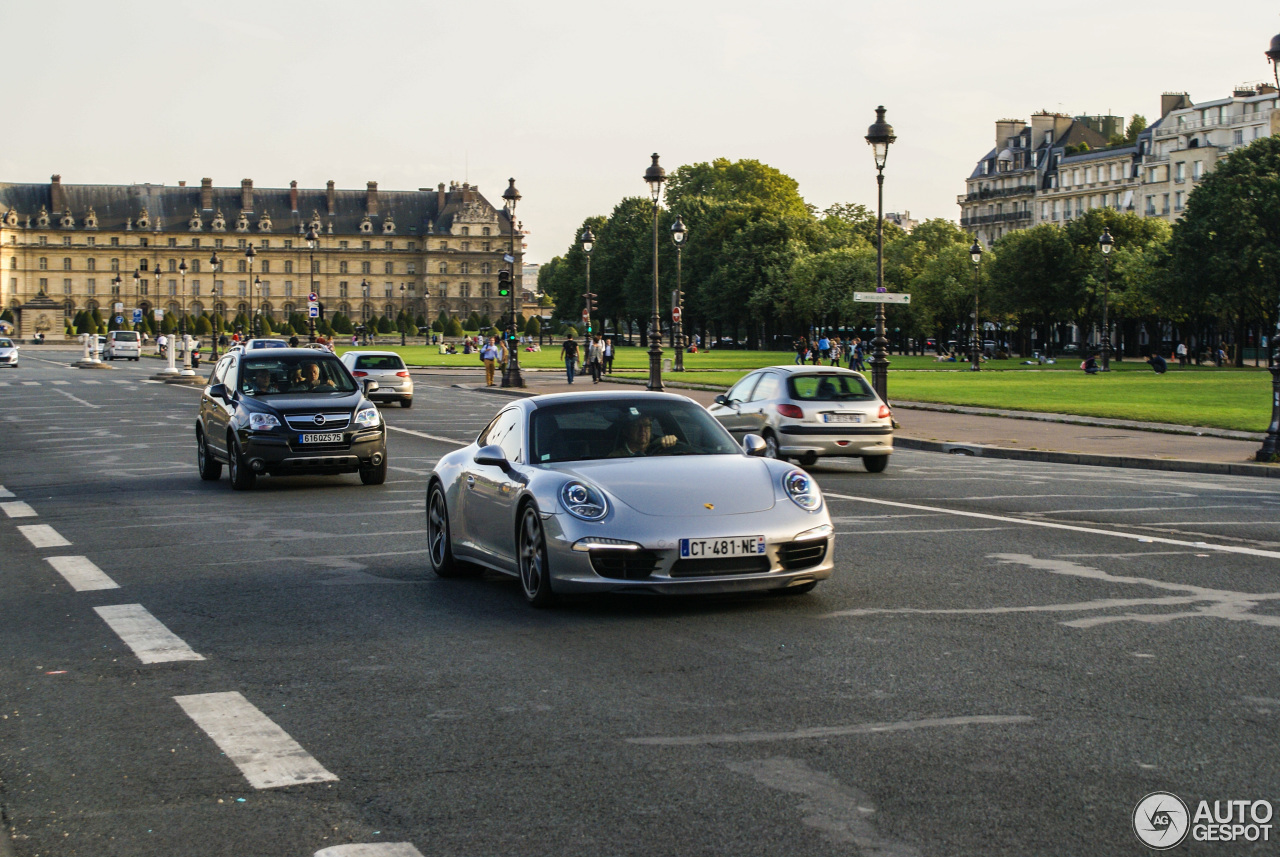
column 262, row 422
column 802, row 490
column 367, row 417
column 583, row 501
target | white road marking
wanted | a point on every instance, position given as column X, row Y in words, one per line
column 263, row 752
column 87, row 381
column 81, row 573
column 121, row 381
column 834, row 731
column 371, row 849
column 429, row 436
column 30, row 383
column 60, row 383
column 150, row 640
column 839, row 813
column 5, row 492
column 1144, row 537
column 43, row 536
column 78, row 399
column 4, row 383
column 18, row 509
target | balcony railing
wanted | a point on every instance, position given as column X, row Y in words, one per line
column 1007, row 217
column 1020, row 190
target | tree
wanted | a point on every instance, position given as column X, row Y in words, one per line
column 1036, row 277
column 453, row 328
column 6, row 315
column 341, row 324
column 1137, row 124
column 473, row 322
column 203, row 327
column 744, row 183
column 385, row 326
column 533, row 327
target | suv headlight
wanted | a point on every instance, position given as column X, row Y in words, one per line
column 262, row 422
column 583, row 501
column 367, row 417
column 802, row 490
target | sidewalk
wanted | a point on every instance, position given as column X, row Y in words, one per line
column 1025, row 436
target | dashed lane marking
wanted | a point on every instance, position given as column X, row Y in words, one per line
column 121, row 381
column 263, row 752
column 18, row 509
column 77, row 399
column 435, row 437
column 87, row 381
column 5, row 492
column 81, row 573
column 371, row 849
column 60, row 383
column 30, row 383
column 43, row 536
column 1052, row 525
column 150, row 640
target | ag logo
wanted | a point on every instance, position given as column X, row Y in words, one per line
column 1161, row 820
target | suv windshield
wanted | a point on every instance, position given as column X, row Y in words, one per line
column 830, row 388
column 624, row 429
column 294, row 375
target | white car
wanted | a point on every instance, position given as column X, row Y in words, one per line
column 385, row 367
column 8, row 352
column 266, row 343
column 122, row 345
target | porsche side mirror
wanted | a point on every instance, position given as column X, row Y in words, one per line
column 753, row 444
column 492, row 456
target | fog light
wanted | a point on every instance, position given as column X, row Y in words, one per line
column 258, row 465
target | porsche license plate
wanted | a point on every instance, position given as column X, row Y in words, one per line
column 842, row 418
column 321, row 438
column 728, row 546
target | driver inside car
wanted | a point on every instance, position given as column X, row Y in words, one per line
column 260, row 382
column 310, row 377
column 637, row 439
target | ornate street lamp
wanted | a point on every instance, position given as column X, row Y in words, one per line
column 975, row 253
column 678, row 234
column 249, row 253
column 182, row 325
column 655, row 175
column 588, row 242
column 511, row 376
column 1270, row 450
column 214, row 262
column 879, row 136
column 257, row 313
column 312, row 241
column 404, row 324
column 1105, row 241
column 364, row 311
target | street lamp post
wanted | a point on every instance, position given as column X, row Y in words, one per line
column 975, row 253
column 1270, row 450
column 214, row 262
column 879, row 136
column 655, row 175
column 249, row 253
column 312, row 240
column 182, row 324
column 257, row 313
column 404, row 323
column 511, row 376
column 678, row 234
column 364, row 312
column 1105, row 241
column 588, row 242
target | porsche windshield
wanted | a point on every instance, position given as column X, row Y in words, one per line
column 303, row 374
column 626, row 428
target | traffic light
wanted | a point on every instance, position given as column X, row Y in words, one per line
column 504, row 284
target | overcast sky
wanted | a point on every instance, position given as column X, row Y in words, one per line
column 571, row 98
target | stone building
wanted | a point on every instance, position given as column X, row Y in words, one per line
column 111, row 247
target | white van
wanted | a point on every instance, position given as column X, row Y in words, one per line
column 122, row 344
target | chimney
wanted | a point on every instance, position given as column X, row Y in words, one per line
column 1006, row 128
column 55, row 194
column 371, row 199
column 293, row 197
column 330, row 198
column 1171, row 101
column 246, row 195
column 206, row 194
column 439, row 199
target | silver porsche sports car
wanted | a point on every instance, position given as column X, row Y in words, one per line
column 641, row 492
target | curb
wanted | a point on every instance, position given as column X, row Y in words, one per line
column 1220, row 468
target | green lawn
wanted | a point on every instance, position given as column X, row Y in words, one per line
column 1198, row 395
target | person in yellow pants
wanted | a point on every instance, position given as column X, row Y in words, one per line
column 489, row 354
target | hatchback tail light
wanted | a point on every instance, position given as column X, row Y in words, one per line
column 402, row 374
column 885, row 413
column 790, row 411
column 359, row 374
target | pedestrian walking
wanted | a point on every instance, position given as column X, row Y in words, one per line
column 1182, row 354
column 802, row 349
column 595, row 358
column 489, row 357
column 608, row 355
column 569, row 354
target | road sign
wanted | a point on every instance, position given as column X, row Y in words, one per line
column 883, row 297
column 507, row 257
column 137, row 316
column 159, row 315
column 313, row 304
column 313, row 298
column 675, row 313
column 313, row 311
column 119, row 319
column 118, row 307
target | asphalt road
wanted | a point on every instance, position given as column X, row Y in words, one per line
column 1009, row 657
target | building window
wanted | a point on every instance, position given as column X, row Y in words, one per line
column 195, row 243
column 444, row 245
column 242, row 288
column 44, row 284
column 66, row 264
column 390, row 245
column 389, row 268
column 342, row 268
column 142, row 287
column 1165, row 207
column 115, row 242
column 217, row 243
column 288, row 288
column 366, row 245
column 195, row 266
column 413, row 245
column 466, row 246
column 93, row 242
column 242, row 243
column 342, row 289
column 484, row 267
column 466, row 230
column 288, row 244
column 389, row 290
column 92, row 286
column 464, row 290
column 195, row 288
column 486, row 246
column 266, row 289
column 66, row 241
column 412, row 268
column 173, row 288
column 1238, row 136
column 366, row 268
column 485, row 231
column 173, row 266
column 463, row 268
column 115, row 265
column 342, row 245
column 66, row 286
column 91, row 264
column 485, row 290
column 1180, row 171
column 44, row 263
column 266, row 266
column 173, row 242
column 444, row 268
column 315, row 266
column 288, row 266
column 1197, row 170
column 241, row 266
column 264, row 244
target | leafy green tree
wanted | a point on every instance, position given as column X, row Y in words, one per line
column 167, row 325
column 1036, row 278
column 342, row 324
column 485, row 322
column 746, row 182
column 473, row 322
column 438, row 326
column 385, row 326
column 533, row 327
column 1137, row 124
column 453, row 328
column 203, row 326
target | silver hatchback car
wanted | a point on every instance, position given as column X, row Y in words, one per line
column 805, row 412
column 385, row 367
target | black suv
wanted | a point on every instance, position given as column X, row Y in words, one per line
column 287, row 411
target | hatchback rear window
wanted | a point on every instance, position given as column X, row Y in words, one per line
column 379, row 361
column 125, row 336
column 830, row 388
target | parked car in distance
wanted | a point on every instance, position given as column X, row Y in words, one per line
column 8, row 352
column 388, row 369
column 288, row 411
column 624, row 492
column 807, row 412
column 122, row 345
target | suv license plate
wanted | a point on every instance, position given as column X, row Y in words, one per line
column 321, row 438
column 729, row 546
